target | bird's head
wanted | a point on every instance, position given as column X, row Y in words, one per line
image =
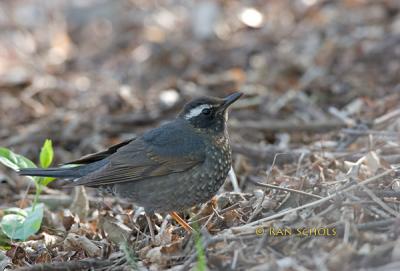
column 209, row 114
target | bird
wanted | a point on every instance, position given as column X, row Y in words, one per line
column 167, row 169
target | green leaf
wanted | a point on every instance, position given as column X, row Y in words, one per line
column 17, row 211
column 14, row 161
column 20, row 227
column 46, row 180
column 5, row 242
column 46, row 154
column 46, row 158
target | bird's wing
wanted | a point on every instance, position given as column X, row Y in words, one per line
column 87, row 159
column 160, row 152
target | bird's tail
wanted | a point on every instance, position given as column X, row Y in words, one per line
column 70, row 173
column 66, row 173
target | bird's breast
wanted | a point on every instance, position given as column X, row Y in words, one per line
column 218, row 159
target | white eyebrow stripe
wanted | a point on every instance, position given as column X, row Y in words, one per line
column 194, row 112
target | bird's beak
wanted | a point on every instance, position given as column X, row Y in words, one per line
column 227, row 101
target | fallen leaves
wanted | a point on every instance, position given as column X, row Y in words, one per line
column 116, row 231
column 318, row 126
column 78, row 242
column 80, row 203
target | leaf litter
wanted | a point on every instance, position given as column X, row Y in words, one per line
column 315, row 138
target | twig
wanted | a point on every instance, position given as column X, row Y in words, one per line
column 208, row 221
column 216, row 213
column 211, row 241
column 387, row 116
column 284, row 188
column 378, row 211
column 196, row 219
column 347, row 218
column 61, row 200
column 392, row 159
column 370, row 132
column 380, row 202
column 347, row 140
column 257, row 210
column 234, row 260
column 272, row 166
column 390, row 266
column 268, row 153
column 376, row 224
column 289, row 126
column 68, row 266
column 320, row 201
column 381, row 193
column 341, row 116
column 373, row 225
column 371, row 210
column 301, row 158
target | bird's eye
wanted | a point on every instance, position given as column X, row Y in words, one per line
column 206, row 111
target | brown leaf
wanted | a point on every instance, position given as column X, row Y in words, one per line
column 80, row 204
column 44, row 257
column 16, row 253
column 68, row 220
column 77, row 242
column 372, row 161
column 172, row 248
column 116, row 231
column 155, row 255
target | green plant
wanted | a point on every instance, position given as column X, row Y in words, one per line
column 201, row 257
column 4, row 242
column 130, row 255
column 45, row 159
column 20, row 223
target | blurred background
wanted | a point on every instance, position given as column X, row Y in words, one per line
column 85, row 72
column 318, row 75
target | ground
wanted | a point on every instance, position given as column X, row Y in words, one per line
column 315, row 138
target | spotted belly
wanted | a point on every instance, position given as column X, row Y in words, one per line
column 182, row 190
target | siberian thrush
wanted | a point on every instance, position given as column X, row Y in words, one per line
column 167, row 169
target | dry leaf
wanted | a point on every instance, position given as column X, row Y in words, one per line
column 172, row 247
column 155, row 255
column 51, row 240
column 80, row 204
column 16, row 253
column 396, row 185
column 78, row 242
column 372, row 161
column 165, row 237
column 5, row 262
column 116, row 231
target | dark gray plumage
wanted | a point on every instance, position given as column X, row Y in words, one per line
column 170, row 168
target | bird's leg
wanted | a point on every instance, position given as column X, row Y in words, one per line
column 101, row 203
column 181, row 222
column 151, row 226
